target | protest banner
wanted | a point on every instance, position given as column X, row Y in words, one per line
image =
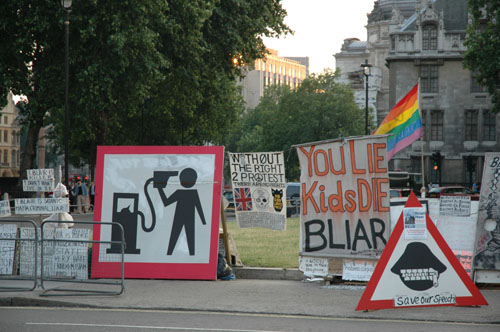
column 40, row 174
column 38, row 185
column 7, row 248
column 259, row 189
column 344, row 197
column 487, row 247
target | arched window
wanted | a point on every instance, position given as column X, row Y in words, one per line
column 429, row 37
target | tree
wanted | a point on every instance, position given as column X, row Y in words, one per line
column 319, row 109
column 141, row 72
column 483, row 46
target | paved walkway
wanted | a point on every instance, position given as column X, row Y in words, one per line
column 284, row 297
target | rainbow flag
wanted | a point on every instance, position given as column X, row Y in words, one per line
column 403, row 122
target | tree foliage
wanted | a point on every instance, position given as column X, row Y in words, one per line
column 319, row 109
column 483, row 46
column 141, row 72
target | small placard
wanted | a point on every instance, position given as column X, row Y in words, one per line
column 40, row 174
column 41, row 205
column 454, row 206
column 313, row 266
column 38, row 185
column 358, row 270
column 5, row 209
column 7, row 248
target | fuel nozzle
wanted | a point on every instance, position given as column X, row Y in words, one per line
column 160, row 178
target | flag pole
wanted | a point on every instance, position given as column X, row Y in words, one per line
column 422, row 190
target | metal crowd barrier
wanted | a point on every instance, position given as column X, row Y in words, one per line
column 67, row 257
column 19, row 255
column 51, row 256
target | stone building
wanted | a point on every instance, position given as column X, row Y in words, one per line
column 10, row 142
column 271, row 70
column 429, row 44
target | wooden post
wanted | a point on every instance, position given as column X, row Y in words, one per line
column 224, row 233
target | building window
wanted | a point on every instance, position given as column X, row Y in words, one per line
column 475, row 87
column 489, row 126
column 437, row 125
column 429, row 78
column 6, row 136
column 429, row 37
column 471, row 125
column 14, row 158
column 6, row 120
column 393, row 42
column 6, row 157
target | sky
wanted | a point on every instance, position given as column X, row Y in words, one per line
column 320, row 29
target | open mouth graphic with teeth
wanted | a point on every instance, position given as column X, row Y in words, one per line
column 418, row 268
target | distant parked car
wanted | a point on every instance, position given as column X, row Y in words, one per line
column 395, row 193
column 436, row 192
column 230, row 198
column 292, row 198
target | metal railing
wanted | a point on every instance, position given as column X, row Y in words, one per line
column 51, row 256
column 19, row 255
column 67, row 257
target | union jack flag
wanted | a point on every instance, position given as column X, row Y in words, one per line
column 243, row 199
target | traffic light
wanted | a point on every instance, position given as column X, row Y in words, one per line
column 436, row 161
column 85, row 179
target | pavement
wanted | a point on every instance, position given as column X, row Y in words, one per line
column 254, row 291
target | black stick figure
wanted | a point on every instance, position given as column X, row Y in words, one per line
column 187, row 202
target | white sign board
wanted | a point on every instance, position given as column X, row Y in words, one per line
column 27, row 250
column 454, row 205
column 68, row 258
column 5, row 209
column 359, row 269
column 41, row 205
column 313, row 266
column 7, row 248
column 259, row 189
column 38, row 185
column 40, row 174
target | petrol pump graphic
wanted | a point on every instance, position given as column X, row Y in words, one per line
column 126, row 212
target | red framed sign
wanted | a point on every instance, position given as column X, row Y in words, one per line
column 167, row 199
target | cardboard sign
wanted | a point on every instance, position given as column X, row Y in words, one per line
column 5, row 208
column 40, row 174
column 7, row 248
column 38, row 185
column 416, row 273
column 167, row 199
column 313, row 266
column 345, row 197
column 41, row 205
column 259, row 189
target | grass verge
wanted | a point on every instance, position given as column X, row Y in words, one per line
column 262, row 247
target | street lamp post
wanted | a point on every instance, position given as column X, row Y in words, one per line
column 367, row 72
column 66, row 4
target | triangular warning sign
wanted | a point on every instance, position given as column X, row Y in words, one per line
column 418, row 269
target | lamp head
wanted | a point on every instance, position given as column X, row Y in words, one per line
column 66, row 4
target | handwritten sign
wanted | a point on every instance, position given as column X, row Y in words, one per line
column 40, row 174
column 5, row 209
column 38, row 185
column 345, row 197
column 27, row 249
column 41, row 205
column 60, row 258
column 7, row 248
column 68, row 259
column 359, row 270
column 259, row 189
column 313, row 266
column 454, row 205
